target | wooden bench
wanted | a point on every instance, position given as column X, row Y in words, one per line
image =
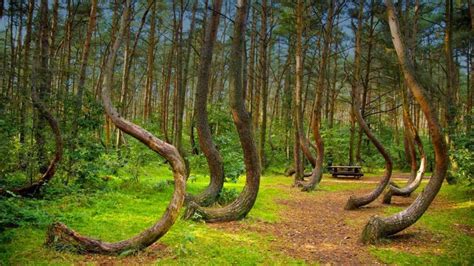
column 347, row 171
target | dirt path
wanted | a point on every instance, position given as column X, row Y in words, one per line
column 316, row 228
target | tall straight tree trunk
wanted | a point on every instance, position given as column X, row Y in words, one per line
column 60, row 236
column 377, row 227
column 180, row 90
column 250, row 91
column 166, row 94
column 356, row 202
column 451, row 90
column 83, row 66
column 150, row 63
column 24, row 85
column 263, row 80
column 241, row 206
column 125, row 83
column 213, row 157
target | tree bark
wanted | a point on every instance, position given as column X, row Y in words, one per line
column 451, row 90
column 60, row 236
column 240, row 207
column 416, row 180
column 356, row 202
column 83, row 66
column 263, row 81
column 150, row 63
column 212, row 154
column 299, row 129
column 317, row 172
column 377, row 227
column 24, row 85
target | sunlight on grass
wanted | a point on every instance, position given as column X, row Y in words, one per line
column 444, row 223
column 127, row 206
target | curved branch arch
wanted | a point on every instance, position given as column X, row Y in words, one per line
column 415, row 183
column 59, row 235
column 377, row 227
column 356, row 202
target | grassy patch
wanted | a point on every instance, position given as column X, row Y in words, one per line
column 127, row 207
column 446, row 222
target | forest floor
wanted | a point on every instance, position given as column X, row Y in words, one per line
column 286, row 226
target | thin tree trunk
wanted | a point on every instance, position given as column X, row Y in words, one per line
column 412, row 135
column 317, row 172
column 24, row 85
column 299, row 129
column 356, row 202
column 150, row 63
column 60, row 236
column 263, row 81
column 83, row 66
column 451, row 90
column 377, row 227
column 41, row 81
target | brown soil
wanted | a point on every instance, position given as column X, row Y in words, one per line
column 316, row 228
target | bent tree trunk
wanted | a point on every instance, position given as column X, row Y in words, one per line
column 40, row 84
column 415, row 183
column 34, row 188
column 355, row 202
column 213, row 157
column 60, row 236
column 317, row 172
column 377, row 227
column 240, row 207
column 302, row 140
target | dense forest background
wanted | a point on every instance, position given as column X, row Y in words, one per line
column 156, row 74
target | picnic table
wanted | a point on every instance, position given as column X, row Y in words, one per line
column 346, row 170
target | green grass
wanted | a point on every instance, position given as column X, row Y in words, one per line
column 125, row 207
column 456, row 248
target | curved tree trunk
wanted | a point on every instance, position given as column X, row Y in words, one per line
column 34, row 188
column 356, row 202
column 60, row 236
column 41, row 81
column 302, row 140
column 213, row 157
column 317, row 172
column 240, row 207
column 378, row 227
column 411, row 132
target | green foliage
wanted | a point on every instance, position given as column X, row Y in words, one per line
column 17, row 212
column 462, row 160
column 443, row 225
column 227, row 142
column 227, row 195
